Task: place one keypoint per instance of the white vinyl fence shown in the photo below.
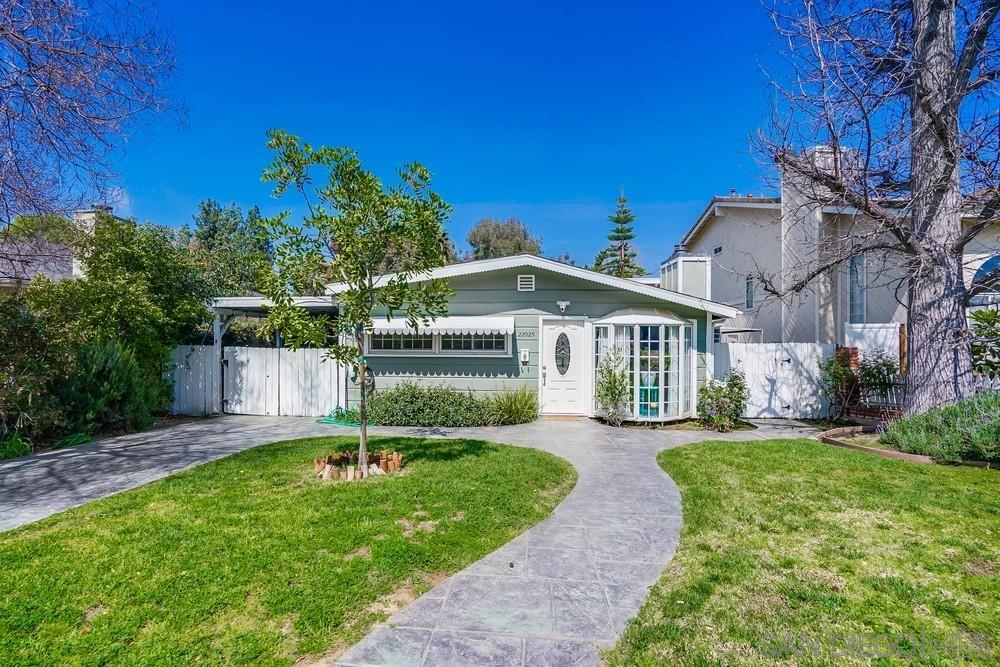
(258, 381)
(783, 378)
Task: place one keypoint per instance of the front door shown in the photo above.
(563, 362)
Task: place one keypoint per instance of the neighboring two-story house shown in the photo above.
(739, 237)
(23, 258)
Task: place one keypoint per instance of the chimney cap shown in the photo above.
(733, 193)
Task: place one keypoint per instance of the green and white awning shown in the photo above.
(491, 324)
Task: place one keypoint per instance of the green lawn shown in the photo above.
(252, 560)
(793, 551)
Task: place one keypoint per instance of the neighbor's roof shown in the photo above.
(531, 261)
(774, 203)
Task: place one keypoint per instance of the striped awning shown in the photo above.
(486, 324)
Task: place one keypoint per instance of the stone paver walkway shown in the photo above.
(555, 595)
(566, 587)
(33, 487)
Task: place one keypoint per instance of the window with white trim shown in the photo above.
(717, 250)
(748, 301)
(858, 281)
(391, 342)
(445, 344)
(473, 342)
(526, 283)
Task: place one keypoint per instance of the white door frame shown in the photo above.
(587, 381)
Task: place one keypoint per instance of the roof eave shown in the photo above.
(515, 261)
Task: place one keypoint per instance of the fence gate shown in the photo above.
(270, 381)
(783, 378)
(257, 381)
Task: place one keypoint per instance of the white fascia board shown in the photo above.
(518, 261)
(260, 302)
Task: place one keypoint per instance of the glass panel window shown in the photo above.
(562, 354)
(469, 342)
(650, 345)
(749, 292)
(688, 358)
(672, 365)
(386, 342)
(624, 338)
(858, 280)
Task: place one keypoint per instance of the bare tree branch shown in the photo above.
(76, 76)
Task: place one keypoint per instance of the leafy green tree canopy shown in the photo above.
(619, 258)
(230, 249)
(139, 287)
(352, 225)
(491, 238)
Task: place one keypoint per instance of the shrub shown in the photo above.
(518, 406)
(33, 361)
(721, 404)
(838, 383)
(108, 387)
(412, 405)
(878, 373)
(14, 444)
(967, 430)
(613, 388)
(986, 341)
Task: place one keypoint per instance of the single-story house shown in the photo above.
(525, 321)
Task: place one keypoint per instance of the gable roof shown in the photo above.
(736, 202)
(532, 261)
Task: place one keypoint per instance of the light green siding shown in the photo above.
(496, 293)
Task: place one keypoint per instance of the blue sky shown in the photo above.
(539, 110)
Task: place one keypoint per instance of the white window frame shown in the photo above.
(857, 287)
(686, 372)
(436, 350)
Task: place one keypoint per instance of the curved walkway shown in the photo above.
(566, 587)
(554, 595)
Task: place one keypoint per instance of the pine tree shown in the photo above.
(619, 258)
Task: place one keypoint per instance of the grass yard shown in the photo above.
(253, 560)
(795, 552)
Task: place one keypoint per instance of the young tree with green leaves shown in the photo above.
(352, 221)
(619, 258)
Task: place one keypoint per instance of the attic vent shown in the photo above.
(526, 283)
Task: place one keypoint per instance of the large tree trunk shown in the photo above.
(940, 359)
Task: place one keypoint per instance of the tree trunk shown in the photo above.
(939, 367)
(940, 359)
(363, 407)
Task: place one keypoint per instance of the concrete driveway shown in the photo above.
(553, 596)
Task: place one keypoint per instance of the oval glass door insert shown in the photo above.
(562, 353)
